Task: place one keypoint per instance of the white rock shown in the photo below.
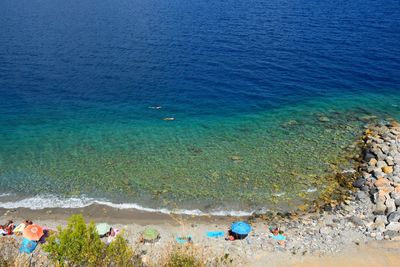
(393, 226)
(378, 172)
(389, 161)
(381, 219)
(380, 164)
(390, 204)
(394, 216)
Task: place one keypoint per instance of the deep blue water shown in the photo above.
(77, 79)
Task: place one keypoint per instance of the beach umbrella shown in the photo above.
(150, 234)
(241, 228)
(103, 228)
(33, 232)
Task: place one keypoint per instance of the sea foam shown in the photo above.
(43, 202)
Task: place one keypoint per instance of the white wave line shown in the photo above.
(42, 202)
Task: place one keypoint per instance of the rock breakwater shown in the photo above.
(380, 179)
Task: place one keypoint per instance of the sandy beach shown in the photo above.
(259, 251)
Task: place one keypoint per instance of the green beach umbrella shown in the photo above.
(150, 234)
(102, 228)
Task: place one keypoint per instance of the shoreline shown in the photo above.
(366, 221)
(99, 212)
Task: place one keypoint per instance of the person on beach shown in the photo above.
(278, 235)
(111, 235)
(20, 228)
(8, 228)
(231, 236)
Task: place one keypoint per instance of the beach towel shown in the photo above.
(215, 234)
(183, 240)
(27, 246)
(278, 237)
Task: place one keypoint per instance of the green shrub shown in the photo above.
(183, 258)
(79, 244)
(119, 253)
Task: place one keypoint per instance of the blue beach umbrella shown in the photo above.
(241, 228)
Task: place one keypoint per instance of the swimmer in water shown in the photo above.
(155, 107)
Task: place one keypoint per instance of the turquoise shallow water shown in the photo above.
(248, 83)
(233, 162)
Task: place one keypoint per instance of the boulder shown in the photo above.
(379, 236)
(379, 197)
(356, 221)
(380, 155)
(373, 191)
(389, 161)
(390, 205)
(385, 148)
(365, 188)
(387, 169)
(396, 169)
(394, 179)
(369, 155)
(394, 217)
(378, 172)
(381, 182)
(380, 208)
(386, 190)
(361, 195)
(396, 159)
(391, 233)
(394, 124)
(381, 219)
(325, 230)
(372, 162)
(359, 183)
(380, 164)
(395, 195)
(379, 226)
(393, 226)
(366, 175)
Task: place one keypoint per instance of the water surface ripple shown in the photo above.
(265, 95)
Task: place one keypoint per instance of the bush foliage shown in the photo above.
(183, 257)
(79, 244)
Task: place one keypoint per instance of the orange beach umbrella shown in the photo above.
(33, 232)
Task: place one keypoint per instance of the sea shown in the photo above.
(199, 107)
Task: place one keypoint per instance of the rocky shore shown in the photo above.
(370, 213)
(380, 181)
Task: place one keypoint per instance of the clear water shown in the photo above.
(246, 81)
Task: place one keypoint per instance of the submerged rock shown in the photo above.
(236, 158)
(324, 119)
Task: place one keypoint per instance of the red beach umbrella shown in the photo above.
(33, 232)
